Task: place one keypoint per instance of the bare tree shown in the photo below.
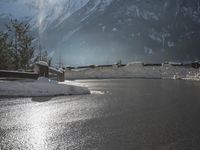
(4, 51)
(21, 43)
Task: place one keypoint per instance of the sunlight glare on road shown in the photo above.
(38, 126)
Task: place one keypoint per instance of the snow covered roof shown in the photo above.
(56, 70)
(43, 63)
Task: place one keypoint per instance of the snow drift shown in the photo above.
(40, 87)
(135, 70)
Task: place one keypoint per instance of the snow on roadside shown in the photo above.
(74, 83)
(136, 70)
(40, 87)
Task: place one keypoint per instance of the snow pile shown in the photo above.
(92, 73)
(178, 72)
(137, 69)
(41, 87)
(131, 70)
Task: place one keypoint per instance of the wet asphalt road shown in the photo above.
(125, 114)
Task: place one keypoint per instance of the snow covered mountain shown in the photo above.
(41, 13)
(113, 29)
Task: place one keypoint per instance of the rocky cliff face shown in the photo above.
(123, 29)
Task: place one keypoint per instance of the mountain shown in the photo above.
(104, 31)
(40, 13)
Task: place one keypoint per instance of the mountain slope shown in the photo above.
(144, 30)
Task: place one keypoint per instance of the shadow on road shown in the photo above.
(41, 99)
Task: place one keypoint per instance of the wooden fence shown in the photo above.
(58, 74)
(5, 74)
(39, 70)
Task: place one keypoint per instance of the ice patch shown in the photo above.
(98, 92)
(74, 83)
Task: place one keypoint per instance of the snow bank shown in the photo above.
(178, 72)
(136, 70)
(131, 70)
(41, 87)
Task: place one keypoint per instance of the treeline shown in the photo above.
(16, 46)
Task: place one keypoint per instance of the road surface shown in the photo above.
(124, 114)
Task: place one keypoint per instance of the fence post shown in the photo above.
(61, 76)
(42, 69)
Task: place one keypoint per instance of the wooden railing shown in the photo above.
(47, 71)
(40, 70)
(5, 74)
